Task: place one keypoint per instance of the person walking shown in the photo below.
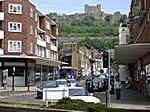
(117, 87)
(127, 83)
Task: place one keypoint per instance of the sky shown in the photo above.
(77, 6)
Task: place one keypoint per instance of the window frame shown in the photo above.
(14, 8)
(31, 12)
(31, 30)
(31, 47)
(14, 25)
(47, 23)
(14, 44)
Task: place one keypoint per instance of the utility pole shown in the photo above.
(92, 74)
(13, 74)
(106, 64)
(109, 76)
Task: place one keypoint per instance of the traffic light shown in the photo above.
(92, 61)
(105, 59)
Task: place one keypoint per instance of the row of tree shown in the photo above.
(100, 44)
(87, 28)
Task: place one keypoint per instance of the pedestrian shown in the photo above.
(127, 83)
(130, 82)
(117, 87)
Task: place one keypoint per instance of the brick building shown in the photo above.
(28, 44)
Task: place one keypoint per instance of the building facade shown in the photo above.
(136, 54)
(93, 11)
(89, 11)
(79, 58)
(28, 44)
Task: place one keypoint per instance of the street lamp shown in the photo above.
(92, 61)
(61, 59)
(28, 80)
(13, 73)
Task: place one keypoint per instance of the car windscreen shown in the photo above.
(77, 92)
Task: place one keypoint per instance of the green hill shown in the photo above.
(87, 28)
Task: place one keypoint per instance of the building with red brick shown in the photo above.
(28, 44)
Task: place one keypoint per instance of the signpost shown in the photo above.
(13, 73)
(106, 64)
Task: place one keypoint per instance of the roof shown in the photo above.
(39, 60)
(128, 54)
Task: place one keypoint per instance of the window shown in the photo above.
(40, 51)
(47, 25)
(48, 53)
(15, 8)
(36, 17)
(30, 47)
(31, 30)
(15, 27)
(52, 54)
(31, 12)
(14, 46)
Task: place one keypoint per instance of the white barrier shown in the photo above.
(53, 94)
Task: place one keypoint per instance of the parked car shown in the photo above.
(55, 94)
(45, 84)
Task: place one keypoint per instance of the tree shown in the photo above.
(107, 18)
(100, 44)
(123, 18)
(90, 28)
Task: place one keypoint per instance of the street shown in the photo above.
(20, 97)
(128, 98)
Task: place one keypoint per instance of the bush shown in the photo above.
(69, 104)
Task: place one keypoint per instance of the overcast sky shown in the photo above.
(77, 6)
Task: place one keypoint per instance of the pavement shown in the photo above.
(130, 98)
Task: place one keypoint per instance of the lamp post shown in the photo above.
(61, 64)
(13, 73)
(91, 61)
(28, 81)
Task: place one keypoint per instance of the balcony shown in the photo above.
(1, 16)
(1, 34)
(53, 47)
(1, 51)
(41, 43)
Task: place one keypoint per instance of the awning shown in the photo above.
(127, 54)
(39, 60)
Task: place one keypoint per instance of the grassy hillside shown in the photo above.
(87, 28)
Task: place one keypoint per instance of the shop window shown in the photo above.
(18, 72)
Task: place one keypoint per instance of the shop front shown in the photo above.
(22, 70)
(136, 57)
(26, 71)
